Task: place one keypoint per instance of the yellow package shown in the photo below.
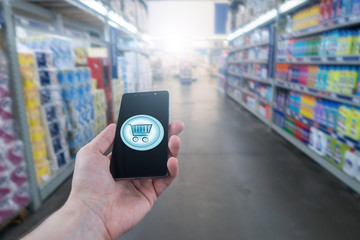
(36, 133)
(343, 119)
(354, 125)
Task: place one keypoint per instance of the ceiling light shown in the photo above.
(291, 5)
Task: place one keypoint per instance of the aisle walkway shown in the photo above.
(239, 181)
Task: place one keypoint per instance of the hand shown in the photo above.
(114, 207)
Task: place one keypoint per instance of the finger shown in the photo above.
(174, 146)
(160, 184)
(176, 128)
(104, 140)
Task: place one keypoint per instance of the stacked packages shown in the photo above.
(27, 64)
(14, 188)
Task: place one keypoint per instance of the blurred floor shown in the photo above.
(237, 180)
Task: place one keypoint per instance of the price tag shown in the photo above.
(341, 20)
(350, 144)
(333, 135)
(356, 100)
(353, 18)
(333, 95)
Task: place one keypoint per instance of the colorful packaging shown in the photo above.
(354, 125)
(329, 148)
(339, 154)
(343, 119)
(351, 162)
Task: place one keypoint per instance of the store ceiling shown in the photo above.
(70, 11)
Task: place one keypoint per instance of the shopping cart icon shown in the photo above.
(140, 130)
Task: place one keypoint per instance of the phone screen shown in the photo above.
(140, 147)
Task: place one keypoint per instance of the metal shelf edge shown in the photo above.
(57, 179)
(331, 26)
(258, 79)
(351, 182)
(250, 46)
(264, 120)
(281, 85)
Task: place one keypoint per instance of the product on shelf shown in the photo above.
(144, 73)
(339, 79)
(351, 162)
(100, 71)
(321, 119)
(255, 70)
(252, 54)
(66, 100)
(99, 103)
(127, 71)
(52, 111)
(117, 92)
(258, 36)
(342, 42)
(38, 141)
(14, 187)
(323, 12)
(79, 110)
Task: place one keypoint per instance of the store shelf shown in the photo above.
(57, 179)
(337, 23)
(349, 181)
(259, 98)
(129, 49)
(255, 78)
(249, 61)
(329, 131)
(333, 60)
(260, 44)
(264, 120)
(348, 99)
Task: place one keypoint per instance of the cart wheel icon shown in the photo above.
(142, 132)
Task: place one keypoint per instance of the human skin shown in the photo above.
(99, 207)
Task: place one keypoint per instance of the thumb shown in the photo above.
(104, 140)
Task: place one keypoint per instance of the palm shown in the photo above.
(121, 204)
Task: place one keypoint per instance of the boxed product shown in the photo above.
(14, 189)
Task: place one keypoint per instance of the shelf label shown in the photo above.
(356, 100)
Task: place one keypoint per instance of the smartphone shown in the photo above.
(140, 148)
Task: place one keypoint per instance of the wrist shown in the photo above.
(83, 221)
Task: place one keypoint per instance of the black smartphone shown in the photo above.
(140, 148)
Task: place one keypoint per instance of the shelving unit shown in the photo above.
(255, 78)
(347, 99)
(244, 78)
(340, 22)
(278, 85)
(264, 120)
(69, 19)
(260, 44)
(337, 60)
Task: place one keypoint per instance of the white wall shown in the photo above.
(181, 18)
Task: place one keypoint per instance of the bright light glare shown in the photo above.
(267, 17)
(121, 22)
(176, 44)
(96, 6)
(290, 5)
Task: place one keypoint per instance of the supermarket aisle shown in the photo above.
(239, 181)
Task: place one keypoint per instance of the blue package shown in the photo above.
(54, 129)
(51, 113)
(61, 159)
(44, 59)
(56, 142)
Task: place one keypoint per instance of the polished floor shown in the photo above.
(237, 180)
